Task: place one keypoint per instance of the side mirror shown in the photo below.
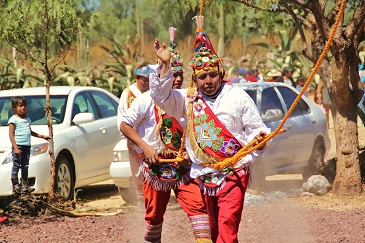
(83, 117)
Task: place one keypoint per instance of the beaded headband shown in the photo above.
(143, 71)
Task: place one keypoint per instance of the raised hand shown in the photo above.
(162, 52)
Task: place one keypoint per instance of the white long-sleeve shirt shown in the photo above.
(141, 116)
(123, 102)
(233, 107)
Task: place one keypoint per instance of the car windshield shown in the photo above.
(35, 109)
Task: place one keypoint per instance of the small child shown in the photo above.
(19, 133)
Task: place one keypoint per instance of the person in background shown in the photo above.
(242, 76)
(300, 84)
(322, 98)
(20, 134)
(222, 118)
(252, 75)
(135, 90)
(158, 136)
(286, 76)
(273, 75)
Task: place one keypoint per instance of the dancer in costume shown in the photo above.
(128, 95)
(157, 136)
(221, 120)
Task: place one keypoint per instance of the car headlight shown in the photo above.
(120, 156)
(38, 149)
(8, 159)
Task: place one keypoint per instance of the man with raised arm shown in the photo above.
(221, 120)
(159, 136)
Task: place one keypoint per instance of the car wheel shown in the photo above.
(128, 195)
(316, 160)
(65, 181)
(258, 177)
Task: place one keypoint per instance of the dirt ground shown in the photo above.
(283, 218)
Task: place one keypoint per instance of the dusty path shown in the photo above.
(303, 219)
(286, 220)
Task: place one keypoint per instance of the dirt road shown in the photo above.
(276, 218)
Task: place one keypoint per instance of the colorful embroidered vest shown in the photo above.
(210, 134)
(170, 131)
(212, 138)
(167, 176)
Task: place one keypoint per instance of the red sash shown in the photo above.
(170, 131)
(130, 98)
(211, 135)
(167, 176)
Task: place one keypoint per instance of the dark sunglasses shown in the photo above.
(178, 74)
(204, 75)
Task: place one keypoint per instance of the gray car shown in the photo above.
(304, 145)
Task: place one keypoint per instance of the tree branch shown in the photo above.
(331, 17)
(298, 22)
(253, 5)
(357, 21)
(318, 13)
(360, 35)
(68, 48)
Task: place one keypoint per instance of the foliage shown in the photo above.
(126, 56)
(287, 54)
(12, 77)
(24, 29)
(113, 17)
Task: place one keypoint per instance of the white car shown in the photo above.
(120, 172)
(84, 133)
(304, 145)
(301, 149)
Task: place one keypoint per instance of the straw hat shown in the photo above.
(274, 73)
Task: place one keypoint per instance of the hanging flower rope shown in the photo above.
(250, 147)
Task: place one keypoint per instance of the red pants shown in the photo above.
(225, 208)
(188, 196)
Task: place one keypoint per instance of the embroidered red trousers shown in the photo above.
(225, 208)
(188, 196)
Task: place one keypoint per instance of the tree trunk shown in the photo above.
(51, 191)
(15, 57)
(348, 178)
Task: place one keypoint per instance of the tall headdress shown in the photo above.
(176, 58)
(205, 56)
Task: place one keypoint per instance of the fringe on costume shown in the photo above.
(201, 229)
(212, 191)
(153, 233)
(164, 185)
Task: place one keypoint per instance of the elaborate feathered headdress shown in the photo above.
(204, 56)
(176, 58)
